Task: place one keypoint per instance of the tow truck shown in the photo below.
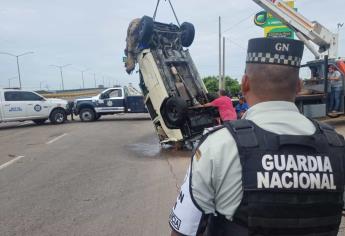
(314, 101)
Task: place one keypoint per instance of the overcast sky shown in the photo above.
(91, 35)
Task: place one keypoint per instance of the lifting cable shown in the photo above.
(172, 8)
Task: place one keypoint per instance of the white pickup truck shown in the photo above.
(21, 105)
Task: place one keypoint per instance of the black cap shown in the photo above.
(278, 51)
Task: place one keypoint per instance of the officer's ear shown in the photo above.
(245, 87)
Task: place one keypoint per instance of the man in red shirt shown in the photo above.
(224, 104)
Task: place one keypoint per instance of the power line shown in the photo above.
(235, 43)
(239, 22)
(238, 45)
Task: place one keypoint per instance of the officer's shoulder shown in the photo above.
(229, 125)
(211, 130)
(216, 136)
(214, 144)
(333, 137)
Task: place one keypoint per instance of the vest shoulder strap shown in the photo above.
(243, 132)
(333, 138)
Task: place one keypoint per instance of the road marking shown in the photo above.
(56, 139)
(10, 162)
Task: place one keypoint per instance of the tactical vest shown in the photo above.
(292, 185)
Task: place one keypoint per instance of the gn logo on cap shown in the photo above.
(282, 47)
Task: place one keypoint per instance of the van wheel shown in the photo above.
(87, 115)
(39, 122)
(187, 34)
(145, 30)
(175, 110)
(58, 116)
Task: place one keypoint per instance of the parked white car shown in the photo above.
(21, 105)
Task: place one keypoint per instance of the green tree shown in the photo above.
(231, 85)
(211, 83)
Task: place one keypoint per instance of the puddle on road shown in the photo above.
(151, 148)
(145, 149)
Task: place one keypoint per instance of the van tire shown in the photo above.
(175, 110)
(145, 30)
(187, 34)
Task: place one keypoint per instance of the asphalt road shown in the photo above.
(103, 178)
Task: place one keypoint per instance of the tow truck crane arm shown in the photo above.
(307, 31)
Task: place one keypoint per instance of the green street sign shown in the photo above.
(280, 32)
(272, 26)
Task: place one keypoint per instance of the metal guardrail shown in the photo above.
(69, 95)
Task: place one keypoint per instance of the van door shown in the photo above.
(13, 106)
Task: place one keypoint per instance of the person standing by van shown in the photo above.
(225, 107)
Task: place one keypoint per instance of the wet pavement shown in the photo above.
(103, 178)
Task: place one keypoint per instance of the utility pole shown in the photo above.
(82, 76)
(94, 78)
(220, 54)
(17, 56)
(60, 67)
(223, 75)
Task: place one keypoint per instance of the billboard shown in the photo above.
(272, 26)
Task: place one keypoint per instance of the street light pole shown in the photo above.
(17, 57)
(60, 67)
(82, 76)
(41, 82)
(9, 80)
(62, 84)
(94, 78)
(220, 54)
(20, 81)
